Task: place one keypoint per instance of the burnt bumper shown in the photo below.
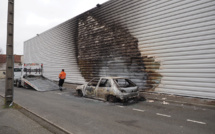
(129, 96)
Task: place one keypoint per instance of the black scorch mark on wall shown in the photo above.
(104, 50)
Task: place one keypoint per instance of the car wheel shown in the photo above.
(79, 92)
(125, 102)
(111, 98)
(136, 99)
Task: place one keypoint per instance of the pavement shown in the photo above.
(12, 121)
(61, 112)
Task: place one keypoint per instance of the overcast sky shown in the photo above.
(36, 16)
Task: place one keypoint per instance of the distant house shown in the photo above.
(3, 59)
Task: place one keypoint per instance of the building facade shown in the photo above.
(163, 46)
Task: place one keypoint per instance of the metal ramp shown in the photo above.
(41, 84)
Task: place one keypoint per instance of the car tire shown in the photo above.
(111, 98)
(79, 93)
(136, 99)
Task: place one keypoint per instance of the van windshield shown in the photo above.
(17, 69)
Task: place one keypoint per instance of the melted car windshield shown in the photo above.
(124, 83)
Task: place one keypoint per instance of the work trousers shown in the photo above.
(61, 81)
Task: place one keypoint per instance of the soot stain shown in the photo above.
(110, 50)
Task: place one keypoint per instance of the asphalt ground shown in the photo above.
(80, 115)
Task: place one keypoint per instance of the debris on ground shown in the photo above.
(150, 101)
(165, 103)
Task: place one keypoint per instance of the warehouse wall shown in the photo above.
(55, 48)
(163, 46)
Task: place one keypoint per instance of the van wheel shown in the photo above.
(111, 98)
(79, 92)
(25, 85)
(17, 84)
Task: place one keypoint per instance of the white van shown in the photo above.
(17, 76)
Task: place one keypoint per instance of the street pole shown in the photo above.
(10, 58)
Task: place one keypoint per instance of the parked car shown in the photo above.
(109, 89)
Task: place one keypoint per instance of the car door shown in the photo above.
(90, 88)
(103, 89)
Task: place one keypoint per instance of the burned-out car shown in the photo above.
(109, 89)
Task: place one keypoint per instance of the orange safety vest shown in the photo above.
(62, 75)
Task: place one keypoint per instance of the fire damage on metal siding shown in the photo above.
(110, 50)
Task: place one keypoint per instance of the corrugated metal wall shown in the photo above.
(164, 46)
(56, 50)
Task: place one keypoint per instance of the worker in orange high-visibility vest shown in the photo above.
(62, 77)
